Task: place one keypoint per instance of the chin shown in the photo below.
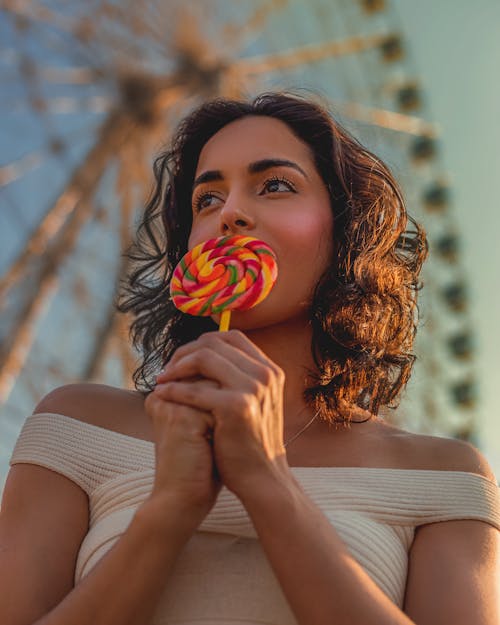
(259, 318)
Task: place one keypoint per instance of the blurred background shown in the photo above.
(91, 91)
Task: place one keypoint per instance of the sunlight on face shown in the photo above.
(255, 177)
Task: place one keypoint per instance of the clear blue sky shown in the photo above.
(456, 47)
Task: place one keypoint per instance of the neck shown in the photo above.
(288, 345)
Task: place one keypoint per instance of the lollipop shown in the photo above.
(224, 274)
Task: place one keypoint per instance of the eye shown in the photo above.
(272, 184)
(200, 201)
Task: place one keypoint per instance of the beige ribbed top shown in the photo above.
(222, 575)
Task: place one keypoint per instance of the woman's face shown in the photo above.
(238, 189)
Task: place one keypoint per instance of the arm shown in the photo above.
(454, 574)
(328, 587)
(454, 566)
(322, 582)
(43, 520)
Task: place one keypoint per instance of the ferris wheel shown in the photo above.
(92, 90)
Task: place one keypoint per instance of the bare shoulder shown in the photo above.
(458, 455)
(113, 408)
(463, 550)
(442, 454)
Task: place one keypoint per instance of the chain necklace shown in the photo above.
(300, 431)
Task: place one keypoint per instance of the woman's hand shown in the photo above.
(185, 474)
(247, 403)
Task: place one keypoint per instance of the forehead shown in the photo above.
(250, 139)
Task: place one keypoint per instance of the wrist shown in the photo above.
(270, 484)
(164, 514)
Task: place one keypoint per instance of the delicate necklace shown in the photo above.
(300, 431)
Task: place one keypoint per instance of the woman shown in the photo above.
(255, 483)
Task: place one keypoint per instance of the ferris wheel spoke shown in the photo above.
(160, 21)
(110, 334)
(57, 42)
(126, 178)
(15, 169)
(131, 171)
(111, 337)
(81, 30)
(81, 186)
(239, 36)
(23, 165)
(139, 32)
(67, 75)
(112, 331)
(62, 105)
(101, 347)
(38, 12)
(125, 50)
(134, 21)
(303, 55)
(34, 385)
(384, 118)
(22, 335)
(85, 104)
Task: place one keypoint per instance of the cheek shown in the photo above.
(309, 241)
(199, 234)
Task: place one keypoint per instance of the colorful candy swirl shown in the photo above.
(222, 274)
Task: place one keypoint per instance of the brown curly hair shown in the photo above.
(364, 309)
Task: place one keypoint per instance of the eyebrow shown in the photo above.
(253, 168)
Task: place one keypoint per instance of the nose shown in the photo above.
(234, 217)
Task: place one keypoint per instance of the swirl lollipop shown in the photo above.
(224, 274)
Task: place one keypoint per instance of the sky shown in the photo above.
(456, 48)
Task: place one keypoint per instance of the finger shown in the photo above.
(235, 338)
(194, 394)
(259, 369)
(219, 349)
(212, 365)
(162, 411)
(220, 403)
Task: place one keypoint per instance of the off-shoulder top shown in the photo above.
(222, 575)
